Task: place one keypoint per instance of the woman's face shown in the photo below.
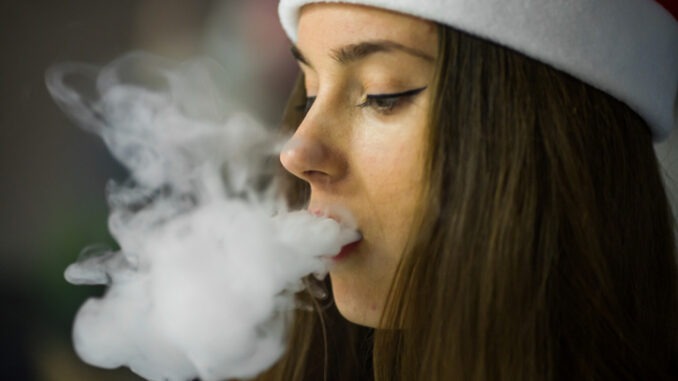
(362, 144)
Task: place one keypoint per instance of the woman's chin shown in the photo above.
(354, 303)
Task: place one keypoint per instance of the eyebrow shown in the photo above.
(355, 52)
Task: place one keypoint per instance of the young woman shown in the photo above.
(497, 158)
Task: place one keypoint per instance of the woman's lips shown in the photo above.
(347, 250)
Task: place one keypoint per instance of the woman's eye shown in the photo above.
(306, 106)
(386, 103)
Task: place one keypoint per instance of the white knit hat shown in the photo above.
(627, 48)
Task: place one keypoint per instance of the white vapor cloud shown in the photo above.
(210, 257)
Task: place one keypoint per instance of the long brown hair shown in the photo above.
(546, 248)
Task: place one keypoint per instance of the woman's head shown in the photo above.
(377, 69)
(532, 250)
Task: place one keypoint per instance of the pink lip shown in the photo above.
(323, 213)
(347, 250)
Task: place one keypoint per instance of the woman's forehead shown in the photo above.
(334, 26)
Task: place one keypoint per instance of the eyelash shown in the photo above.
(382, 103)
(386, 103)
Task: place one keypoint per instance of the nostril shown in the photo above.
(317, 177)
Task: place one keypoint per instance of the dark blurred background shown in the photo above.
(53, 174)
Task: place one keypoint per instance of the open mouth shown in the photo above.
(347, 250)
(344, 218)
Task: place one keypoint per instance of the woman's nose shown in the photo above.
(312, 159)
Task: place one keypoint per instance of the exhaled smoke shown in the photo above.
(210, 258)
